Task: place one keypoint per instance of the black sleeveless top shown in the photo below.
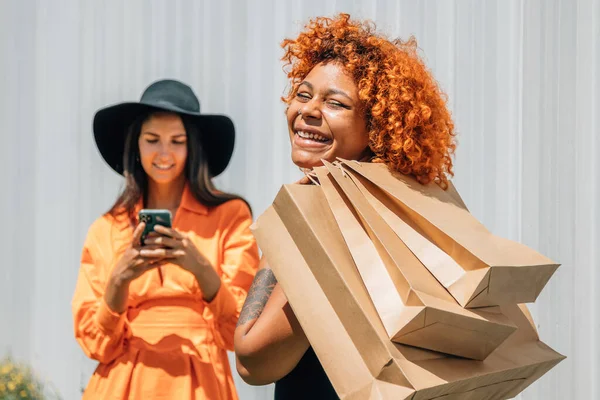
(307, 381)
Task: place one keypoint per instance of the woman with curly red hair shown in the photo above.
(356, 95)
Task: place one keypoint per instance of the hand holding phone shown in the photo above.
(152, 218)
(130, 266)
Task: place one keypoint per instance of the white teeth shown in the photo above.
(162, 166)
(312, 136)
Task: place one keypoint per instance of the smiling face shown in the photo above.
(325, 118)
(163, 148)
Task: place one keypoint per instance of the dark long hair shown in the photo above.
(196, 172)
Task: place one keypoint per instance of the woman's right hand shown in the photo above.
(131, 266)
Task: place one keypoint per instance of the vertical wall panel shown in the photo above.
(523, 80)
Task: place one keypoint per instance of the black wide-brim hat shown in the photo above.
(217, 133)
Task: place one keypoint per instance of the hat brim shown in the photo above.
(217, 133)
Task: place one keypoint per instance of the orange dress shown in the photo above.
(170, 343)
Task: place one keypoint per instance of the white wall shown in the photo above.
(523, 78)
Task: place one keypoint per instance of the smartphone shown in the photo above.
(153, 218)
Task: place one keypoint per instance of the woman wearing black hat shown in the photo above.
(159, 316)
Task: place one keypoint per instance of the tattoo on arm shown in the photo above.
(258, 295)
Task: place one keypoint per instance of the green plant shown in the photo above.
(18, 382)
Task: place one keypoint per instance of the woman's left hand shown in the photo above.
(180, 250)
(177, 248)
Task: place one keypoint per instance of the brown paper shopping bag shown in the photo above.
(342, 325)
(414, 308)
(345, 339)
(478, 268)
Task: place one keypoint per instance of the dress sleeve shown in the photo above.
(240, 263)
(100, 332)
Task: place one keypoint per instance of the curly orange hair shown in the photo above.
(410, 127)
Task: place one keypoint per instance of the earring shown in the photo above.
(299, 112)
